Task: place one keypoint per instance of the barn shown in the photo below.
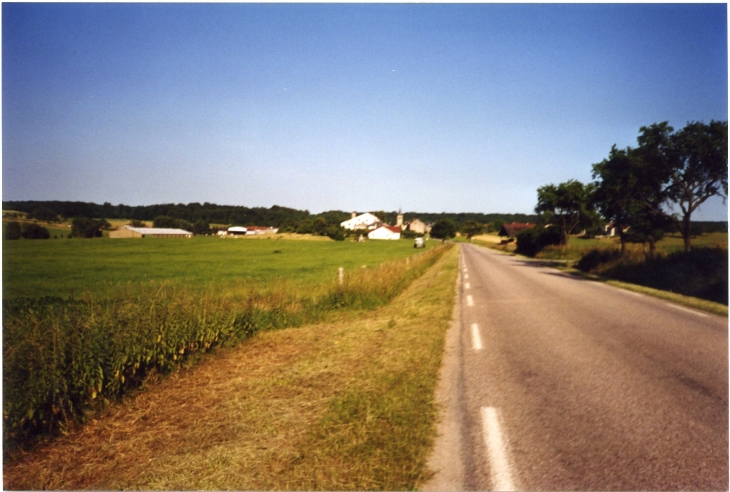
(149, 232)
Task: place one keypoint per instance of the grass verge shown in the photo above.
(342, 405)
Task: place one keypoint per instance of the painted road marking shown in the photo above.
(686, 310)
(476, 339)
(619, 289)
(466, 276)
(469, 301)
(496, 450)
(467, 285)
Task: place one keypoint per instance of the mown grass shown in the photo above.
(55, 267)
(341, 405)
(64, 359)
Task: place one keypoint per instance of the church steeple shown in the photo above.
(399, 219)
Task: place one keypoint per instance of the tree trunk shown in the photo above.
(622, 236)
(686, 227)
(652, 246)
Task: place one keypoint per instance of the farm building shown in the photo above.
(385, 232)
(418, 227)
(149, 232)
(258, 230)
(248, 231)
(511, 230)
(363, 221)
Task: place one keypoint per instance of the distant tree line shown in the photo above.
(286, 219)
(643, 192)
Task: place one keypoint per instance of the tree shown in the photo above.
(13, 230)
(495, 225)
(472, 228)
(443, 229)
(628, 195)
(566, 205)
(685, 168)
(86, 228)
(200, 227)
(35, 231)
(44, 214)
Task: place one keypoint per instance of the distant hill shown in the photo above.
(276, 216)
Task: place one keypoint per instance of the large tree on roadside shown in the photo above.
(684, 168)
(626, 194)
(566, 205)
(472, 228)
(443, 229)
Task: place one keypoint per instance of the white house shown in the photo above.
(385, 232)
(364, 221)
(236, 231)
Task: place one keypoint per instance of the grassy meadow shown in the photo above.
(34, 268)
(346, 404)
(86, 321)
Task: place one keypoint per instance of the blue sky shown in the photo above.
(424, 107)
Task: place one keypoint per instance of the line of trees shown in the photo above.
(645, 190)
(286, 219)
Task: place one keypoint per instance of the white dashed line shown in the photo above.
(467, 285)
(476, 339)
(469, 301)
(496, 451)
(686, 310)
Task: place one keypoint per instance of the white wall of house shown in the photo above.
(384, 233)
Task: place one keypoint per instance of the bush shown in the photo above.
(86, 228)
(531, 241)
(443, 229)
(702, 272)
(34, 231)
(13, 230)
(595, 258)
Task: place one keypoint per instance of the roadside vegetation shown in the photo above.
(67, 354)
(345, 404)
(646, 196)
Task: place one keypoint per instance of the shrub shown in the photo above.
(86, 228)
(597, 257)
(701, 272)
(13, 230)
(531, 241)
(34, 231)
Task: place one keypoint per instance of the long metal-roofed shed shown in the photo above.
(149, 232)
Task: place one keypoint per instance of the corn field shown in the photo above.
(63, 360)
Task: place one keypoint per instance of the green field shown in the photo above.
(54, 267)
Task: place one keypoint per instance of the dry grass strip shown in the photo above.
(341, 405)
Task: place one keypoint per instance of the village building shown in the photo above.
(418, 227)
(385, 232)
(259, 230)
(511, 230)
(236, 231)
(139, 232)
(363, 221)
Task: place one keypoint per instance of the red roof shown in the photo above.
(511, 230)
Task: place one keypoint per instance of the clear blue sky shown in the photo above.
(428, 107)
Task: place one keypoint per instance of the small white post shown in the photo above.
(341, 274)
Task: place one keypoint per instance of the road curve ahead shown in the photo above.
(570, 384)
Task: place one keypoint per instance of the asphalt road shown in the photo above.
(570, 384)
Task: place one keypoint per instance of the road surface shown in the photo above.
(560, 383)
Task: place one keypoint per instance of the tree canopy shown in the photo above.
(567, 205)
(665, 179)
